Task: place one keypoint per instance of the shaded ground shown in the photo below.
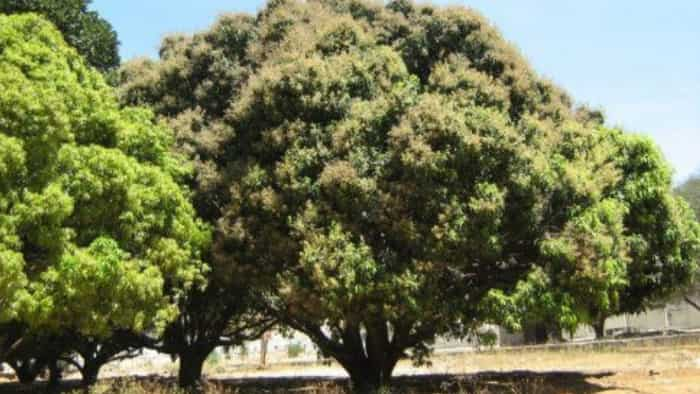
(515, 382)
(486, 382)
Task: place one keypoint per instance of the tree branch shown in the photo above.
(692, 303)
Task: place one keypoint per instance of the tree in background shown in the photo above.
(85, 30)
(217, 316)
(690, 191)
(191, 89)
(623, 264)
(384, 175)
(40, 351)
(97, 235)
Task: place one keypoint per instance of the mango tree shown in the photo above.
(85, 30)
(384, 173)
(97, 233)
(190, 88)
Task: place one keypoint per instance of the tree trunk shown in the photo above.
(27, 371)
(367, 380)
(367, 352)
(365, 383)
(371, 372)
(599, 328)
(190, 371)
(536, 334)
(90, 372)
(55, 375)
(26, 377)
(264, 341)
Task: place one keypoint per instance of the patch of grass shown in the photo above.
(150, 386)
(455, 386)
(295, 349)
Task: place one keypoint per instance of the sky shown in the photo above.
(638, 60)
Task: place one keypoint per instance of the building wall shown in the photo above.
(677, 315)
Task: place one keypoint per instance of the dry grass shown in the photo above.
(149, 386)
(645, 358)
(134, 386)
(585, 360)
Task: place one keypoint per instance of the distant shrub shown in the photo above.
(295, 349)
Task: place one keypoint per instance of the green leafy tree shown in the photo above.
(96, 233)
(216, 317)
(535, 307)
(690, 191)
(383, 174)
(191, 88)
(622, 255)
(85, 30)
(88, 354)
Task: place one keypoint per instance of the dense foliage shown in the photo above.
(635, 248)
(690, 191)
(375, 174)
(85, 30)
(385, 174)
(96, 233)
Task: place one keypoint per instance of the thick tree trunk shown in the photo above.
(26, 377)
(373, 360)
(365, 383)
(599, 328)
(368, 351)
(27, 371)
(191, 366)
(367, 380)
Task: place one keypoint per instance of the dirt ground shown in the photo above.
(667, 381)
(655, 369)
(662, 369)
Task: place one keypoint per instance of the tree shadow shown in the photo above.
(521, 382)
(488, 382)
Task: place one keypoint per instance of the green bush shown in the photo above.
(295, 349)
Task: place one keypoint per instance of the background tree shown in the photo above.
(381, 173)
(690, 191)
(191, 89)
(216, 317)
(32, 357)
(536, 307)
(624, 258)
(88, 354)
(85, 30)
(96, 234)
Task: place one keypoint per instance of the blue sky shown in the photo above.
(639, 60)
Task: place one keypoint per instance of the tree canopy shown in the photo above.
(96, 231)
(690, 191)
(85, 30)
(386, 174)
